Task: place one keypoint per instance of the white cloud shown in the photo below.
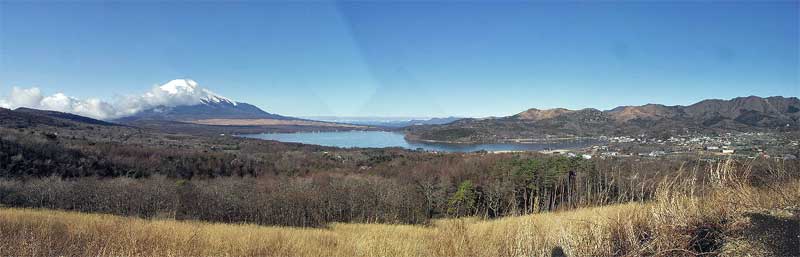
(174, 93)
(21, 97)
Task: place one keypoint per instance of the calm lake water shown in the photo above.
(380, 139)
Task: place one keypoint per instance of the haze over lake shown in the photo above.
(380, 139)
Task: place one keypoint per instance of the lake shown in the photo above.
(380, 139)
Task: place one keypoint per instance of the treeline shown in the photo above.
(514, 186)
(295, 201)
(49, 154)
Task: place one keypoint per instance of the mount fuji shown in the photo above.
(183, 100)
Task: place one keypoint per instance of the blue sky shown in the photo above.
(408, 58)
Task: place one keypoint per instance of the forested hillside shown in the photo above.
(741, 114)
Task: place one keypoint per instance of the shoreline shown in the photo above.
(505, 141)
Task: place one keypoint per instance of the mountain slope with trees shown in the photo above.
(709, 116)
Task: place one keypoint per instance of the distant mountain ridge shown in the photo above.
(27, 117)
(64, 116)
(386, 122)
(751, 113)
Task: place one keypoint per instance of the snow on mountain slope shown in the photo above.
(184, 100)
(188, 88)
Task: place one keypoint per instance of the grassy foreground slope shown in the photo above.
(734, 218)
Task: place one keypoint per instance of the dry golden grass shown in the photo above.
(679, 223)
(46, 232)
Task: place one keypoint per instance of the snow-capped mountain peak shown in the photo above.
(186, 100)
(177, 86)
(189, 89)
